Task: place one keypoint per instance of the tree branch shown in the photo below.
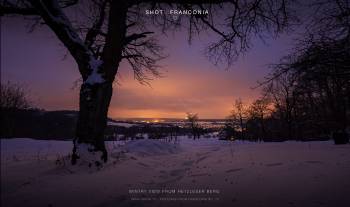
(135, 36)
(96, 28)
(8, 8)
(54, 17)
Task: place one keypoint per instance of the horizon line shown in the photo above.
(165, 118)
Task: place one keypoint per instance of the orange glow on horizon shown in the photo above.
(209, 93)
(189, 83)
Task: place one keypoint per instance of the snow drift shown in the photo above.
(150, 147)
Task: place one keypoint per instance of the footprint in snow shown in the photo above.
(143, 164)
(178, 172)
(274, 164)
(199, 175)
(234, 170)
(314, 162)
(201, 159)
(188, 163)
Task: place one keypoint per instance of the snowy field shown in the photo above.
(204, 172)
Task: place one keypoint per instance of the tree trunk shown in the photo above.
(95, 98)
(242, 126)
(92, 120)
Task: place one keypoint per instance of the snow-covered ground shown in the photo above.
(206, 172)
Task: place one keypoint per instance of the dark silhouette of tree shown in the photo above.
(258, 111)
(109, 32)
(330, 19)
(13, 100)
(192, 120)
(311, 85)
(281, 92)
(13, 97)
(238, 117)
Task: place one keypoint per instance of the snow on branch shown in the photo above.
(136, 36)
(95, 77)
(55, 18)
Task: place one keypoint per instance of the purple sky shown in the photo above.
(191, 82)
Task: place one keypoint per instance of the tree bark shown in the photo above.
(92, 119)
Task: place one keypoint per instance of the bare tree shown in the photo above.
(282, 92)
(192, 120)
(259, 110)
(238, 116)
(14, 99)
(113, 31)
(13, 96)
(330, 19)
(311, 85)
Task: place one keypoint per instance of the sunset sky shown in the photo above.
(190, 84)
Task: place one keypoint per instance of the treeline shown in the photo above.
(38, 124)
(20, 117)
(307, 96)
